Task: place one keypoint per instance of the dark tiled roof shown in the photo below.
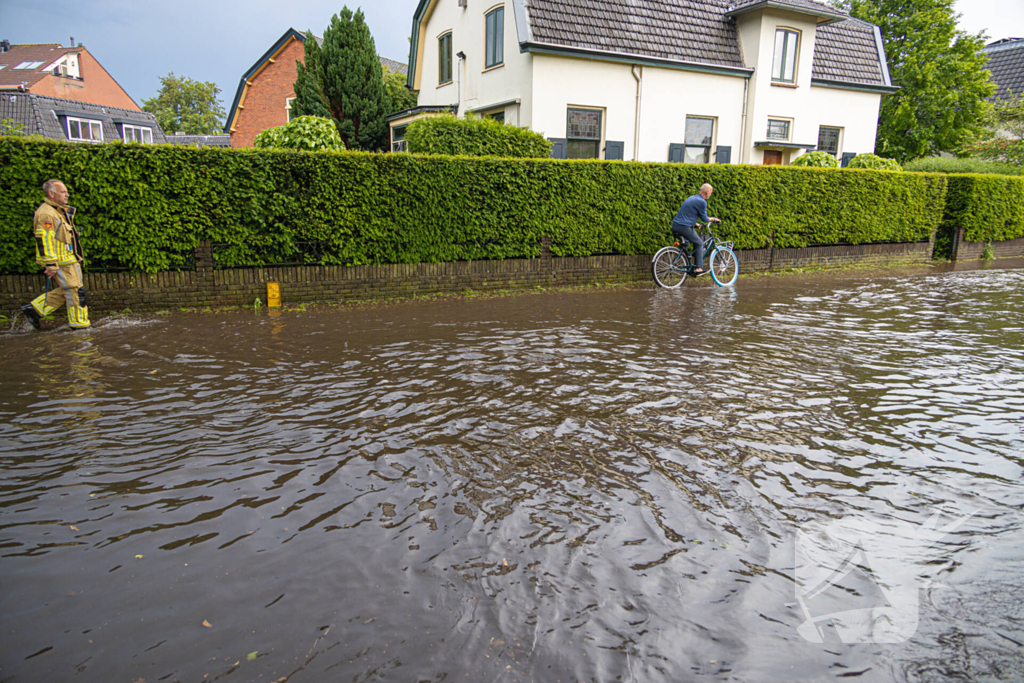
(678, 30)
(1006, 63)
(394, 66)
(38, 115)
(819, 9)
(199, 140)
(698, 31)
(847, 51)
(47, 54)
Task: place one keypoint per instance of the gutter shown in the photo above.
(850, 85)
(639, 96)
(629, 58)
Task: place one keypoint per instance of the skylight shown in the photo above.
(28, 65)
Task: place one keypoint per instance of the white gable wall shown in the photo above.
(473, 86)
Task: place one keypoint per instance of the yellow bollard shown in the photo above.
(273, 295)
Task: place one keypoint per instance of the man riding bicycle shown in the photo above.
(694, 209)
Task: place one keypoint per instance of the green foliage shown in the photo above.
(306, 133)
(816, 160)
(990, 208)
(874, 162)
(399, 97)
(148, 206)
(187, 106)
(310, 99)
(941, 104)
(12, 128)
(999, 150)
(959, 165)
(474, 136)
(344, 77)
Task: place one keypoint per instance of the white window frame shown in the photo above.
(28, 66)
(709, 147)
(90, 123)
(288, 107)
(140, 134)
(789, 57)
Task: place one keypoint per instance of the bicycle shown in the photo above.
(671, 265)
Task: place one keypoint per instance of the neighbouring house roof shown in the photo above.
(46, 116)
(1006, 64)
(698, 35)
(11, 77)
(198, 140)
(269, 54)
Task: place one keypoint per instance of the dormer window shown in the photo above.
(787, 44)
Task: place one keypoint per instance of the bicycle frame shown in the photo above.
(710, 243)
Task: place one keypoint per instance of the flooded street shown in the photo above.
(600, 485)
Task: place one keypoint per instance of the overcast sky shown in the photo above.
(218, 40)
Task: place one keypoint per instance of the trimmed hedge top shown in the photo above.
(147, 207)
(988, 207)
(474, 136)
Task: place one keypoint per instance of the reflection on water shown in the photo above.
(560, 487)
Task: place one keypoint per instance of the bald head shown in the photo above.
(56, 192)
(706, 190)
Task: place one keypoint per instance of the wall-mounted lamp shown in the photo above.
(460, 54)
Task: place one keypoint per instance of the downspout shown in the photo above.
(743, 121)
(639, 96)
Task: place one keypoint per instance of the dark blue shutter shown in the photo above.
(723, 155)
(847, 157)
(557, 147)
(675, 153)
(613, 150)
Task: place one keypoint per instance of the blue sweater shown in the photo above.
(694, 209)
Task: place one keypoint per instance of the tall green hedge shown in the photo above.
(990, 208)
(474, 136)
(148, 206)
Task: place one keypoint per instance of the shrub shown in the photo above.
(474, 136)
(999, 149)
(816, 160)
(874, 162)
(148, 206)
(305, 133)
(955, 165)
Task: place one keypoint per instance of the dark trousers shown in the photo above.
(690, 235)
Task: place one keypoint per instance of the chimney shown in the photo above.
(72, 41)
(5, 45)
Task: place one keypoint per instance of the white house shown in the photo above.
(696, 81)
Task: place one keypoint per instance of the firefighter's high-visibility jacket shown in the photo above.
(57, 242)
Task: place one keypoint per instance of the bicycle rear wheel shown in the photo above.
(724, 266)
(670, 267)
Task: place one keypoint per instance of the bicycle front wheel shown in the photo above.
(724, 267)
(670, 267)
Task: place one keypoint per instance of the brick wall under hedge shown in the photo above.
(241, 286)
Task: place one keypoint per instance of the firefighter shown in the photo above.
(59, 252)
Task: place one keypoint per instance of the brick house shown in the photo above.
(63, 93)
(65, 73)
(264, 95)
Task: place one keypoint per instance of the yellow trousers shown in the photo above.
(69, 289)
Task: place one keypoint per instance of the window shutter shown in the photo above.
(675, 153)
(723, 155)
(557, 147)
(847, 157)
(613, 150)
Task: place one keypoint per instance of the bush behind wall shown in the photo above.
(149, 206)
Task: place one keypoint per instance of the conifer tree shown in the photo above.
(309, 96)
(344, 76)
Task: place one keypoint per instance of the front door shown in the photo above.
(772, 157)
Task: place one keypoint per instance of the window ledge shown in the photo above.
(492, 68)
(779, 84)
(441, 85)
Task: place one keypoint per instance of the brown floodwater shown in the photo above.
(600, 485)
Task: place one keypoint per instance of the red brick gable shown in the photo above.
(96, 85)
(264, 98)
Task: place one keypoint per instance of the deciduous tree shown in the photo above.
(186, 106)
(399, 97)
(941, 104)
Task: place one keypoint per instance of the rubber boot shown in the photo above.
(31, 314)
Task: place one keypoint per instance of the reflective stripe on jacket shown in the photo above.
(56, 237)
